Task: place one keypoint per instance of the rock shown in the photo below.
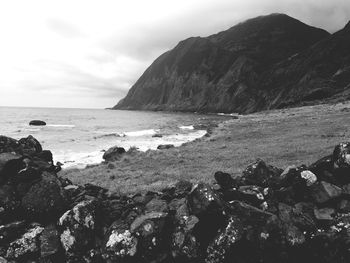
(224, 180)
(165, 146)
(341, 159)
(50, 242)
(324, 215)
(30, 145)
(204, 200)
(260, 174)
(157, 135)
(309, 177)
(341, 155)
(219, 249)
(37, 123)
(11, 231)
(121, 243)
(9, 145)
(156, 205)
(151, 229)
(10, 165)
(182, 188)
(45, 199)
(344, 206)
(323, 192)
(3, 260)
(8, 198)
(251, 194)
(27, 244)
(113, 153)
(323, 169)
(79, 225)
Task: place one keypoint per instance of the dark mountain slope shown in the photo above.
(322, 72)
(223, 72)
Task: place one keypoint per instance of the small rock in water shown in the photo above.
(37, 123)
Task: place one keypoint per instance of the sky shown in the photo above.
(88, 53)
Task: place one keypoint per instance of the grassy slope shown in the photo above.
(280, 137)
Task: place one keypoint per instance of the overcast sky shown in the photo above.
(88, 54)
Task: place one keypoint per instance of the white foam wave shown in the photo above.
(61, 125)
(189, 127)
(141, 133)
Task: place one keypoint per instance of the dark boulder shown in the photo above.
(8, 199)
(45, 199)
(120, 243)
(219, 249)
(37, 123)
(260, 174)
(8, 144)
(50, 244)
(165, 146)
(341, 159)
(224, 180)
(113, 153)
(11, 231)
(10, 165)
(323, 192)
(26, 245)
(151, 230)
(30, 145)
(79, 228)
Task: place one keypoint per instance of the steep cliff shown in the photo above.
(265, 62)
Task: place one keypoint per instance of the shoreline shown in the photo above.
(281, 137)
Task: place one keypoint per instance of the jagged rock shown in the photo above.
(323, 192)
(8, 144)
(224, 180)
(344, 206)
(11, 231)
(10, 165)
(260, 174)
(182, 188)
(341, 159)
(219, 249)
(165, 146)
(8, 198)
(323, 169)
(113, 153)
(79, 225)
(30, 145)
(50, 242)
(45, 198)
(37, 123)
(251, 194)
(27, 244)
(151, 230)
(121, 243)
(309, 177)
(324, 215)
(156, 205)
(204, 200)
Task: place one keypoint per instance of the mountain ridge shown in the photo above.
(265, 62)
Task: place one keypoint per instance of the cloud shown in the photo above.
(88, 53)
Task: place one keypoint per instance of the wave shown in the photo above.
(61, 125)
(110, 135)
(141, 133)
(189, 127)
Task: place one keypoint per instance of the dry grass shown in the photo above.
(280, 137)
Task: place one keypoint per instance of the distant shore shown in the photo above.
(280, 137)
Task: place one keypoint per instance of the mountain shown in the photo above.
(266, 62)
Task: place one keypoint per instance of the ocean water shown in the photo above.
(78, 137)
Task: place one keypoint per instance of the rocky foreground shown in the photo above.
(300, 214)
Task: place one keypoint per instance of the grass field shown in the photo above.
(280, 137)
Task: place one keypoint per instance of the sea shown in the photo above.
(79, 137)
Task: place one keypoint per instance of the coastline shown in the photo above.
(280, 137)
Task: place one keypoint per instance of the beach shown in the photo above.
(284, 137)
